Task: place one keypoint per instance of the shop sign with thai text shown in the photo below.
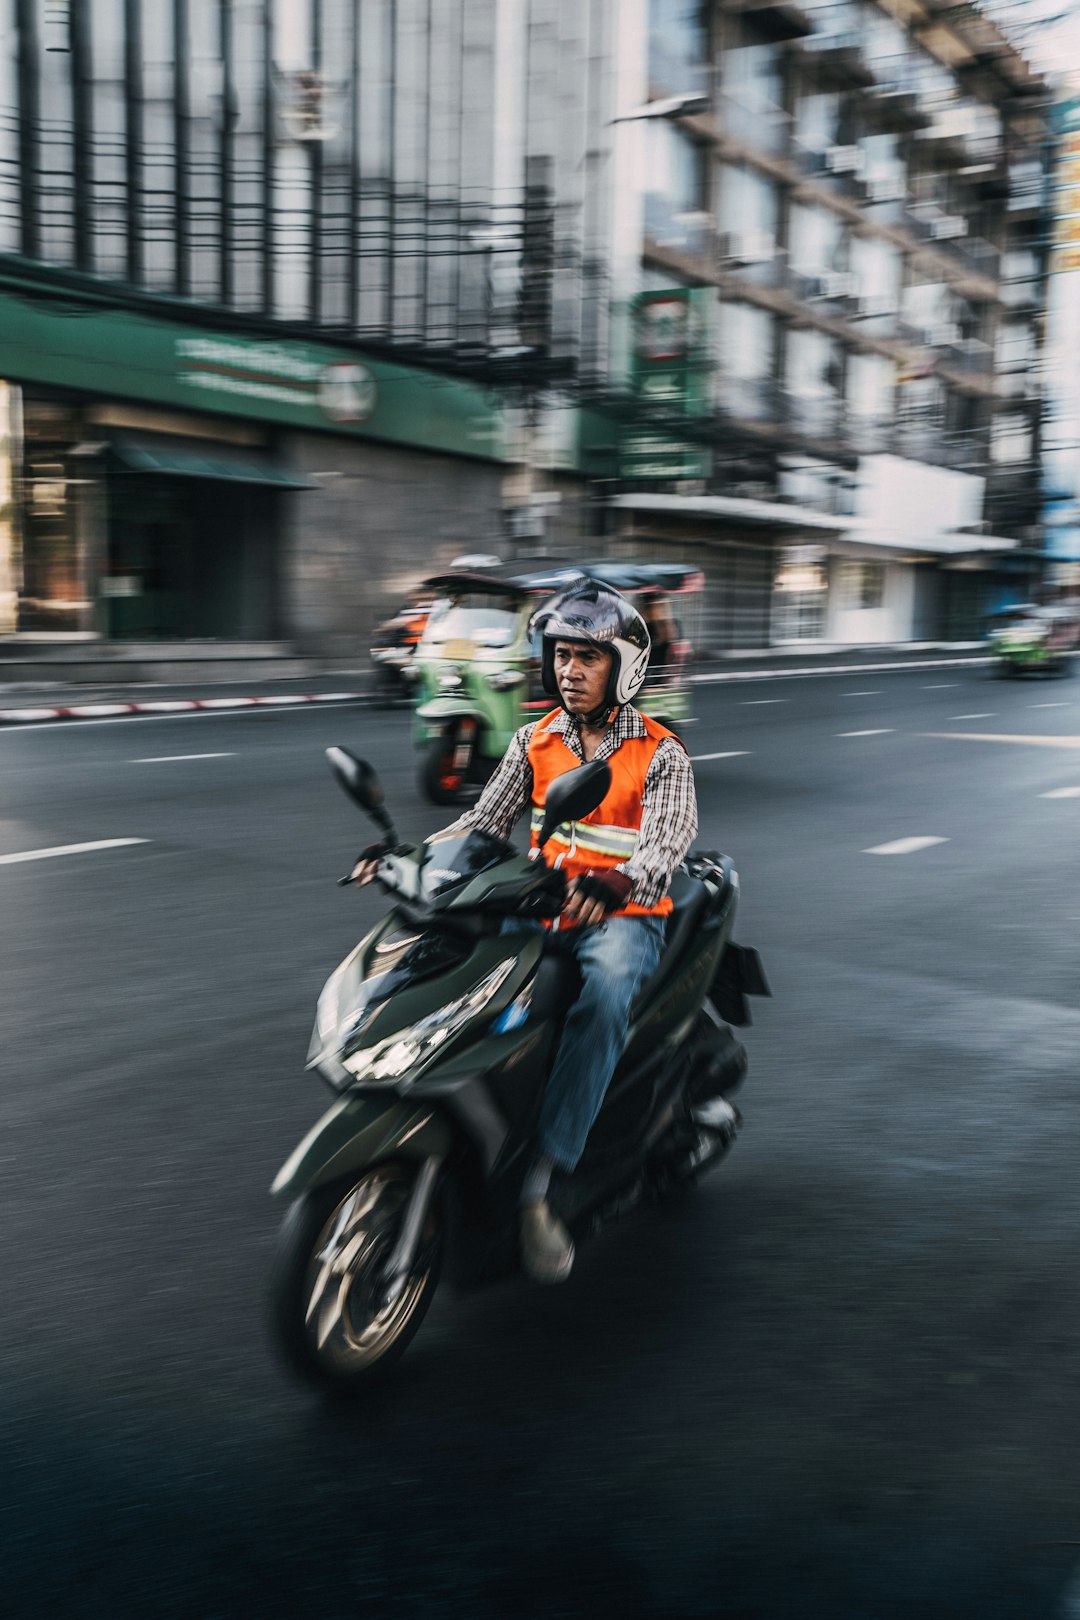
(109, 351)
(669, 382)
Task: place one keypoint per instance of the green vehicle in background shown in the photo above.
(1028, 639)
(477, 676)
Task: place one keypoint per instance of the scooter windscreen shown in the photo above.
(450, 862)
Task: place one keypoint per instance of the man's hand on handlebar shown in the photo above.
(367, 863)
(594, 895)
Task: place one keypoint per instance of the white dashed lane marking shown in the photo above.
(69, 849)
(876, 693)
(167, 759)
(736, 753)
(904, 846)
(1062, 793)
(1004, 737)
(1047, 705)
(988, 715)
(881, 731)
(759, 703)
(941, 686)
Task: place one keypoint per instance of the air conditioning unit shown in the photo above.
(885, 188)
(948, 226)
(877, 304)
(844, 160)
(747, 247)
(946, 334)
(838, 284)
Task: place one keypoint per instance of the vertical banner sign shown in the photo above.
(669, 379)
(1061, 430)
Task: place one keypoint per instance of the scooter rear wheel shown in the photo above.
(328, 1307)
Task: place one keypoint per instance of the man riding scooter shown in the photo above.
(619, 863)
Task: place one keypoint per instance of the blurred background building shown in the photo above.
(270, 271)
(298, 296)
(844, 205)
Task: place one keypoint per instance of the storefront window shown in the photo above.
(800, 594)
(860, 585)
(57, 505)
(9, 529)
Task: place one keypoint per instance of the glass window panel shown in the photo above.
(9, 132)
(815, 241)
(108, 119)
(811, 371)
(675, 186)
(746, 342)
(753, 70)
(749, 203)
(1011, 439)
(677, 46)
(860, 585)
(870, 387)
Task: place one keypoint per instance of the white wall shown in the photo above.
(892, 621)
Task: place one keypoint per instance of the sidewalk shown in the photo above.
(29, 702)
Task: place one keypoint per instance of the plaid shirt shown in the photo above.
(668, 808)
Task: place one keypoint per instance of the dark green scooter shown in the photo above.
(438, 1033)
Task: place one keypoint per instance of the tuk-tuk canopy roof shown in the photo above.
(509, 579)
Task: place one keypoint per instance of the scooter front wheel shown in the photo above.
(331, 1313)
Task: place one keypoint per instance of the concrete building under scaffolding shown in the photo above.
(829, 258)
(298, 297)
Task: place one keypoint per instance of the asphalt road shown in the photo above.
(838, 1381)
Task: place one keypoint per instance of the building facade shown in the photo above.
(298, 297)
(842, 215)
(275, 277)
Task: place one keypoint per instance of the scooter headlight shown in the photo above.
(411, 1048)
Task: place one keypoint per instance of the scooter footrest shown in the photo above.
(717, 1115)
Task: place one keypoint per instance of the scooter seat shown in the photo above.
(689, 900)
(557, 984)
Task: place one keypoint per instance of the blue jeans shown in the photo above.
(614, 959)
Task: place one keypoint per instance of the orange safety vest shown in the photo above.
(609, 834)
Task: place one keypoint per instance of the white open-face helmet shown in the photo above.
(591, 612)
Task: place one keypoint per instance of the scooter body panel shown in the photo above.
(363, 1129)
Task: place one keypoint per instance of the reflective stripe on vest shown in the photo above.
(619, 842)
(609, 835)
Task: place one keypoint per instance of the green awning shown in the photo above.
(169, 463)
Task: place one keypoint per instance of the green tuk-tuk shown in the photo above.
(477, 675)
(1027, 638)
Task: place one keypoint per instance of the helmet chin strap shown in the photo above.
(602, 715)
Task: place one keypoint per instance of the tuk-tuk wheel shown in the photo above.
(445, 767)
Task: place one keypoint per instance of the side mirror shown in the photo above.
(573, 795)
(360, 782)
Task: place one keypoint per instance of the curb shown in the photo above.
(283, 700)
(712, 677)
(166, 706)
